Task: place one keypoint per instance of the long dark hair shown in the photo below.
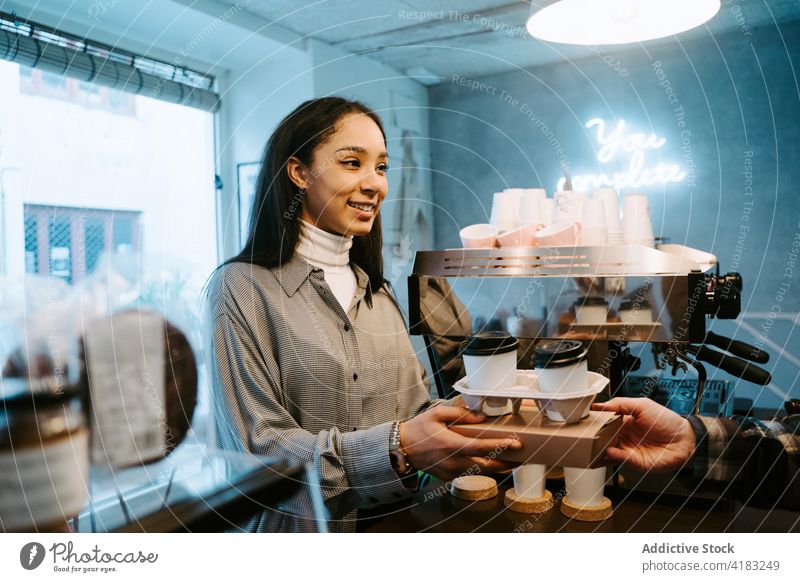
(274, 226)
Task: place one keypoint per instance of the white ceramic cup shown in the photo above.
(637, 227)
(505, 210)
(529, 481)
(585, 486)
(478, 236)
(559, 235)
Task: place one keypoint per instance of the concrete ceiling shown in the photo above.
(428, 39)
(205, 34)
(466, 37)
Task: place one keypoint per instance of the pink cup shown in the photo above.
(561, 234)
(524, 236)
(478, 236)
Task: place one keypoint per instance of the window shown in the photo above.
(86, 169)
(89, 95)
(76, 238)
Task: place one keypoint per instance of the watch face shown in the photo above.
(399, 462)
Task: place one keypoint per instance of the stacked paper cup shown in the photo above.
(518, 193)
(505, 209)
(548, 211)
(530, 206)
(637, 228)
(569, 206)
(613, 221)
(594, 223)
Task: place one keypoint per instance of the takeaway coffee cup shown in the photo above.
(591, 311)
(490, 360)
(585, 486)
(636, 312)
(561, 366)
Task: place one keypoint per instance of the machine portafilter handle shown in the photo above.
(737, 348)
(734, 366)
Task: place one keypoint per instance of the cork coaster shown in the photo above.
(594, 513)
(526, 505)
(555, 474)
(473, 487)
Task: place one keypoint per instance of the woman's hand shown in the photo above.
(652, 438)
(431, 446)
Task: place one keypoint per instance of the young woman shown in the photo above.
(311, 360)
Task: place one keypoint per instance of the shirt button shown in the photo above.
(346, 327)
(355, 377)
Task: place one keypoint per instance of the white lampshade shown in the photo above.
(602, 22)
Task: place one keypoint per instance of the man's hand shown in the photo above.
(652, 438)
(431, 446)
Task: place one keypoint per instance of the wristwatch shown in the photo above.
(397, 455)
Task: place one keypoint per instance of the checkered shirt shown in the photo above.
(760, 459)
(295, 377)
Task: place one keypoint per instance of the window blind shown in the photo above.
(37, 46)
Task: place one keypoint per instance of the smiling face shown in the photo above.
(346, 181)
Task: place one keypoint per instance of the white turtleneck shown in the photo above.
(331, 253)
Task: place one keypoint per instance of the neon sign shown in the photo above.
(617, 144)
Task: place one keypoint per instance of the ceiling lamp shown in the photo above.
(595, 22)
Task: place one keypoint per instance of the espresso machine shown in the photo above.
(681, 287)
(618, 300)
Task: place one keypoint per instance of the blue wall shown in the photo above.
(732, 102)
